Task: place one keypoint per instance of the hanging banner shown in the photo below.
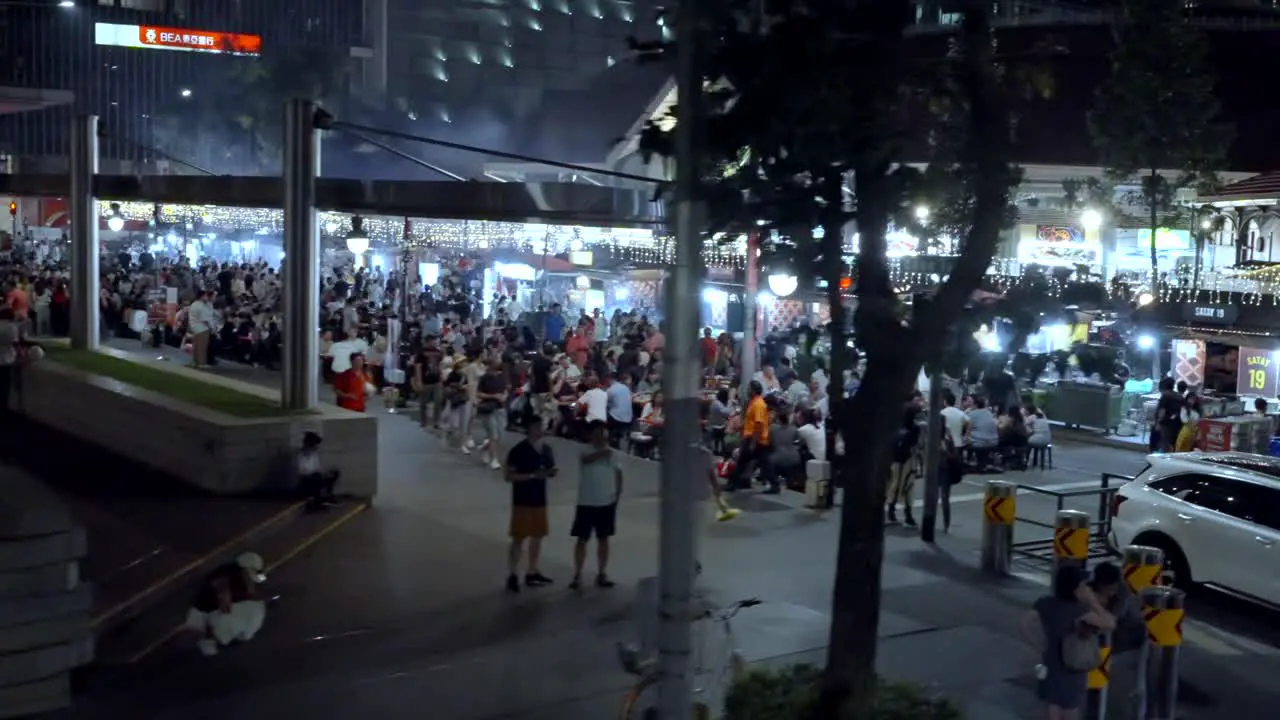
(1207, 313)
(1189, 361)
(1256, 373)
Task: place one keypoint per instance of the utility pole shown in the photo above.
(301, 371)
(932, 451)
(681, 455)
(749, 350)
(85, 331)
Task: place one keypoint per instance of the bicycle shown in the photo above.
(646, 669)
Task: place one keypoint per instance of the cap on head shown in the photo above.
(250, 561)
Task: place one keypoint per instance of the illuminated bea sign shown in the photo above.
(166, 38)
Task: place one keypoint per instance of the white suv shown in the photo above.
(1215, 515)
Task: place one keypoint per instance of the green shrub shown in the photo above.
(791, 693)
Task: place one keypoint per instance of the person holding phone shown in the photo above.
(599, 488)
(529, 464)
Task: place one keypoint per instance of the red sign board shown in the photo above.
(1256, 373)
(1213, 435)
(199, 40)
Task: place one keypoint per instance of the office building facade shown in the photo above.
(514, 75)
(160, 73)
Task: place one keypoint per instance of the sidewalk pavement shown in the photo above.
(401, 610)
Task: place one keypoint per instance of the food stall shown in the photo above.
(1229, 377)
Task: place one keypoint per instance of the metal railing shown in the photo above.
(1040, 550)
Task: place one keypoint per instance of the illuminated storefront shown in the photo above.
(1174, 248)
(1059, 246)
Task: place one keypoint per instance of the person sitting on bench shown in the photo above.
(315, 481)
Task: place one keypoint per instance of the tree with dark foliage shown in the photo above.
(809, 103)
(1158, 112)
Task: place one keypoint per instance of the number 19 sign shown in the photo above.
(1257, 373)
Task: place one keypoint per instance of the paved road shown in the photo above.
(402, 609)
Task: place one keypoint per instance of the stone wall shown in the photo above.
(44, 608)
(210, 450)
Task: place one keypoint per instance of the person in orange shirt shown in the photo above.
(709, 347)
(19, 303)
(755, 452)
(350, 384)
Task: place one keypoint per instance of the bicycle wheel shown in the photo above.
(629, 704)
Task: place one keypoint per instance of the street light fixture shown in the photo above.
(1091, 219)
(922, 213)
(185, 92)
(357, 239)
(115, 221)
(782, 285)
(67, 4)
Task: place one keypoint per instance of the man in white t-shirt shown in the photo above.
(342, 351)
(599, 487)
(597, 402)
(350, 317)
(955, 420)
(200, 321)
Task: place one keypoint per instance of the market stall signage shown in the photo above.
(1216, 314)
(1256, 373)
(1213, 435)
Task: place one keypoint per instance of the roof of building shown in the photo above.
(582, 126)
(1264, 186)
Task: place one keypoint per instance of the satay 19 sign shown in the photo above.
(1257, 373)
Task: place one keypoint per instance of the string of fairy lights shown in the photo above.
(648, 247)
(632, 245)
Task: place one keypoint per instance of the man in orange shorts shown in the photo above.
(529, 465)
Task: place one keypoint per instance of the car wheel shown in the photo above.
(1175, 561)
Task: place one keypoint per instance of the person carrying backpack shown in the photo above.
(1064, 626)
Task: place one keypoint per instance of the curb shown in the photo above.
(1087, 437)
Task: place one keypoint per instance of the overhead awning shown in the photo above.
(565, 203)
(16, 100)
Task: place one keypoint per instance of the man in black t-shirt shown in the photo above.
(540, 386)
(1168, 420)
(426, 382)
(529, 464)
(491, 398)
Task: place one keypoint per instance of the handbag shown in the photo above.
(1080, 650)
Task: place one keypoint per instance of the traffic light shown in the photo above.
(13, 208)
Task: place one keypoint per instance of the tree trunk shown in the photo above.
(932, 456)
(849, 682)
(1153, 202)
